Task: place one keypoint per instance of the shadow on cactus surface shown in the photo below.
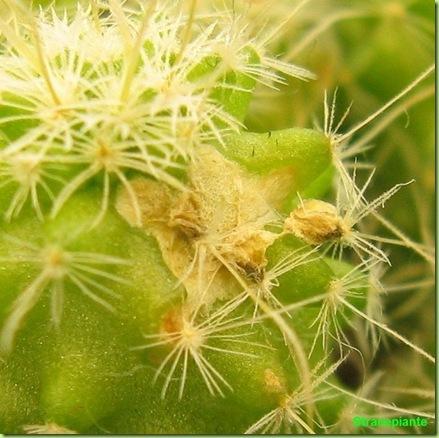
(217, 217)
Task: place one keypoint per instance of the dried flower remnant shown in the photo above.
(315, 222)
(318, 222)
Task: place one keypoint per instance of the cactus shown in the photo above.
(166, 266)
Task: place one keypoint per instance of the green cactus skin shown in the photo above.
(163, 270)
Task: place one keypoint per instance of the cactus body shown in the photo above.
(163, 269)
